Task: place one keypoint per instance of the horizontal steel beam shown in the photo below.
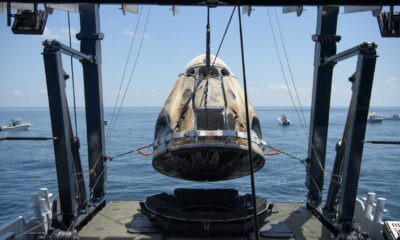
(27, 138)
(68, 51)
(227, 2)
(350, 53)
(383, 142)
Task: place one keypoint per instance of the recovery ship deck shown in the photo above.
(114, 220)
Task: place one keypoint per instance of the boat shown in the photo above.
(394, 117)
(374, 118)
(284, 120)
(15, 125)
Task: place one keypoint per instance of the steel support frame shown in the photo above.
(354, 141)
(90, 38)
(61, 128)
(346, 171)
(325, 47)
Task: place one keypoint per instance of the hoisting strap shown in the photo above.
(253, 187)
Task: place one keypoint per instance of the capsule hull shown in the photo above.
(201, 130)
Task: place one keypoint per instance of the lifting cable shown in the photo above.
(223, 37)
(205, 95)
(92, 170)
(283, 72)
(278, 151)
(123, 74)
(72, 73)
(139, 150)
(290, 69)
(131, 75)
(303, 124)
(253, 187)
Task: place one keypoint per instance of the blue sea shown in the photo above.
(26, 166)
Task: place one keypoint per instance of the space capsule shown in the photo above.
(200, 133)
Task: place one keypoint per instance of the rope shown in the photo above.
(123, 74)
(130, 77)
(303, 124)
(112, 158)
(290, 69)
(223, 37)
(128, 152)
(72, 73)
(283, 71)
(287, 154)
(271, 153)
(92, 170)
(253, 187)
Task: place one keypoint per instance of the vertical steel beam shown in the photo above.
(334, 185)
(60, 124)
(325, 46)
(358, 115)
(90, 37)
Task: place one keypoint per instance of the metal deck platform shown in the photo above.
(113, 220)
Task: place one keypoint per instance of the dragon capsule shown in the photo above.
(200, 134)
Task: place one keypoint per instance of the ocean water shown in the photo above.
(26, 166)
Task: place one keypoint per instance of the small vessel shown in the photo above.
(374, 118)
(394, 117)
(284, 120)
(15, 125)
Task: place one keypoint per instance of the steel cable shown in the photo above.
(253, 187)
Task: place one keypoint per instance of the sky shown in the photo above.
(170, 42)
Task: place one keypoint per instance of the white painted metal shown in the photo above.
(376, 10)
(40, 223)
(64, 7)
(23, 6)
(369, 223)
(132, 8)
(289, 9)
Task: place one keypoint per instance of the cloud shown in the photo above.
(129, 33)
(4, 34)
(43, 92)
(392, 83)
(61, 34)
(277, 87)
(16, 92)
(77, 93)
